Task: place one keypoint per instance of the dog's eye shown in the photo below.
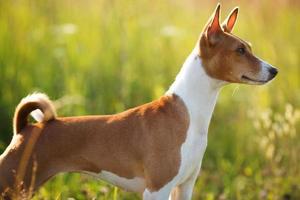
(241, 50)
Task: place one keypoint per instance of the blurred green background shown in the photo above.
(101, 57)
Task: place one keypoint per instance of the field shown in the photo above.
(101, 57)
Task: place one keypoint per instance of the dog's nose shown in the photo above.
(273, 71)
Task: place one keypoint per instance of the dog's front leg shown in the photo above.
(162, 194)
(185, 190)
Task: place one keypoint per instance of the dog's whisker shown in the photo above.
(235, 90)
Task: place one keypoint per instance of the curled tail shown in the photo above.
(40, 107)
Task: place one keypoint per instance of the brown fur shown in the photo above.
(22, 113)
(221, 61)
(141, 142)
(218, 51)
(32, 102)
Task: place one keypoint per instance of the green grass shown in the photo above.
(101, 57)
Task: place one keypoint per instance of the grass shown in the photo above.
(104, 56)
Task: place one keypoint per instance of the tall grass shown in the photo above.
(101, 57)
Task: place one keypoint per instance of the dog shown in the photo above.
(155, 149)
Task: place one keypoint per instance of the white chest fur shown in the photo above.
(199, 92)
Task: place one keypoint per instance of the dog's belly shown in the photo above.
(136, 184)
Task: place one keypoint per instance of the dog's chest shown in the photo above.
(192, 152)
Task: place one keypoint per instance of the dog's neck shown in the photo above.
(198, 91)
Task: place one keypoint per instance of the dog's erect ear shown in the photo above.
(228, 23)
(213, 27)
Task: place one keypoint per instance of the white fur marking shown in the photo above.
(37, 115)
(136, 184)
(264, 72)
(162, 194)
(199, 93)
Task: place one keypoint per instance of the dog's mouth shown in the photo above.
(252, 81)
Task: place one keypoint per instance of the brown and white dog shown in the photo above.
(155, 149)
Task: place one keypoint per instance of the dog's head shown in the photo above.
(228, 58)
